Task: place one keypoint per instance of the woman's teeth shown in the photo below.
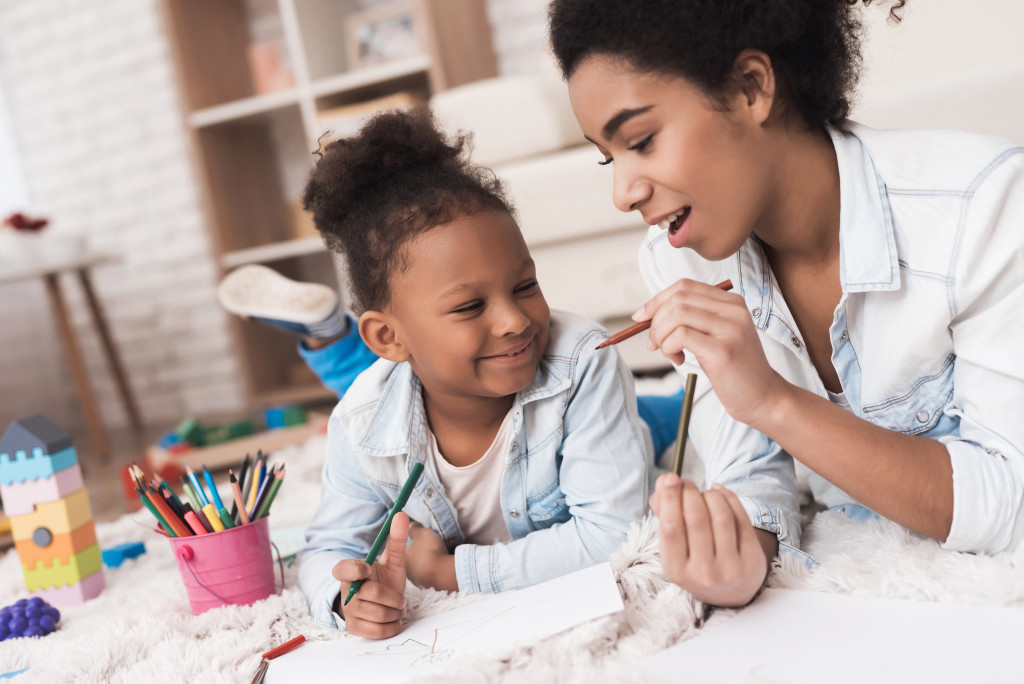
(667, 221)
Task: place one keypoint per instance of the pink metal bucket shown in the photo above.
(233, 566)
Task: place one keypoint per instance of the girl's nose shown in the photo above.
(628, 189)
(510, 319)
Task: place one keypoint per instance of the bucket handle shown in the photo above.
(186, 554)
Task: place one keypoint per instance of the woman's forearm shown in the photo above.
(905, 478)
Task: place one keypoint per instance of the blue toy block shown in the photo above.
(32, 448)
(170, 439)
(115, 556)
(21, 466)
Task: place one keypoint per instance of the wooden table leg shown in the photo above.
(127, 398)
(79, 373)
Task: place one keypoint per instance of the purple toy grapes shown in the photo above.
(28, 618)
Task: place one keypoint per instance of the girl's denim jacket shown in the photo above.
(576, 473)
(928, 336)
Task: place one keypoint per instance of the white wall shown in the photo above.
(93, 102)
(949, 64)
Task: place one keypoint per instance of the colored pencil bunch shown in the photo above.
(203, 511)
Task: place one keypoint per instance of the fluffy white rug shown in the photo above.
(141, 628)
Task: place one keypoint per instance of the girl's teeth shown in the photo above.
(665, 223)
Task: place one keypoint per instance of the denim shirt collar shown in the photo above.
(399, 425)
(867, 244)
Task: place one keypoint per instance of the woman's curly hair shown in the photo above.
(397, 178)
(814, 45)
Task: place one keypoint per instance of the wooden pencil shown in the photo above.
(637, 328)
(684, 424)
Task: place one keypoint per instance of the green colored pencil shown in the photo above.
(156, 514)
(275, 485)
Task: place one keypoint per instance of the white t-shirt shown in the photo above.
(475, 490)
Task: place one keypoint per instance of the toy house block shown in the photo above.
(20, 498)
(77, 593)
(34, 448)
(78, 567)
(59, 517)
(44, 547)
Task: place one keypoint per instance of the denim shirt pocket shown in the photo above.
(548, 508)
(920, 409)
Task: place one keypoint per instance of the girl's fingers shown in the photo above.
(698, 522)
(350, 570)
(398, 536)
(372, 630)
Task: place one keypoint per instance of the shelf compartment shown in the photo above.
(286, 249)
(243, 109)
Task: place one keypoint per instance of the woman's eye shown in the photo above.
(642, 145)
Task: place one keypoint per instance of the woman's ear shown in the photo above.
(379, 333)
(755, 76)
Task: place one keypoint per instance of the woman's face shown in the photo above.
(698, 172)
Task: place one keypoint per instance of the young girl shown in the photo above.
(536, 461)
(875, 329)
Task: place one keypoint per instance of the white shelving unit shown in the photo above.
(252, 149)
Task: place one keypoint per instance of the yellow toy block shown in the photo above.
(81, 565)
(59, 517)
(61, 546)
(77, 593)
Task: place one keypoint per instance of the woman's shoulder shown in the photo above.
(933, 161)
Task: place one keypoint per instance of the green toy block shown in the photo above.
(192, 432)
(79, 566)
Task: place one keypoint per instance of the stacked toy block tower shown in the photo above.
(51, 521)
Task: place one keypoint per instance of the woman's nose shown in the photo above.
(628, 189)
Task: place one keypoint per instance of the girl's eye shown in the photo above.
(526, 287)
(642, 145)
(468, 308)
(606, 162)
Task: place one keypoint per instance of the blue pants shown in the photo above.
(338, 364)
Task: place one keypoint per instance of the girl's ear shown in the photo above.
(380, 334)
(754, 74)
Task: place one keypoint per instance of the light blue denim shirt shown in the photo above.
(576, 473)
(928, 335)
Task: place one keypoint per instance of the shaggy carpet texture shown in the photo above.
(141, 629)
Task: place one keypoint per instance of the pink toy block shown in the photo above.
(77, 593)
(21, 498)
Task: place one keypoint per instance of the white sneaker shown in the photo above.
(264, 295)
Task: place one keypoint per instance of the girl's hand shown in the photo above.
(716, 327)
(377, 609)
(428, 561)
(708, 546)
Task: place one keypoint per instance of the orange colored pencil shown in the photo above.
(180, 528)
(644, 325)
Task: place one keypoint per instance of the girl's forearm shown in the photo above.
(905, 478)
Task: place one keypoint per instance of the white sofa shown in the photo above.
(586, 249)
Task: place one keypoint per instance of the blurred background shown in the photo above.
(174, 136)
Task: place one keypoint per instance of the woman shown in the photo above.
(879, 276)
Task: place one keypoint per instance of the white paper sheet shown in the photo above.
(431, 644)
(798, 637)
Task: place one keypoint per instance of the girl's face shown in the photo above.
(700, 173)
(469, 309)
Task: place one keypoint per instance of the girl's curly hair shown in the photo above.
(814, 45)
(397, 178)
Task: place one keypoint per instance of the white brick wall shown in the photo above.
(92, 99)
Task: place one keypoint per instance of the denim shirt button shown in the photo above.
(842, 336)
(922, 416)
(796, 341)
(429, 493)
(755, 312)
(514, 513)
